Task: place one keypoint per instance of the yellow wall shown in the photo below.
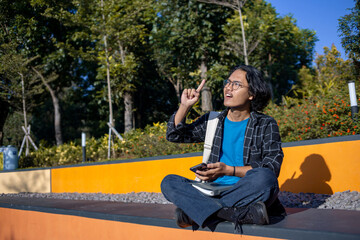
(321, 168)
(25, 181)
(143, 176)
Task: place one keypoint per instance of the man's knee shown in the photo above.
(166, 182)
(169, 182)
(263, 177)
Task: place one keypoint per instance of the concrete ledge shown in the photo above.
(26, 181)
(72, 219)
(312, 166)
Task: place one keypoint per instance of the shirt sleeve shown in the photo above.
(187, 133)
(271, 151)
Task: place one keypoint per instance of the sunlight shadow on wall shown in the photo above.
(313, 179)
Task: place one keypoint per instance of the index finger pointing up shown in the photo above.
(201, 85)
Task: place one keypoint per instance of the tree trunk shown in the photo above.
(241, 4)
(56, 104)
(111, 118)
(128, 115)
(206, 97)
(178, 90)
(176, 82)
(57, 119)
(24, 110)
(4, 106)
(268, 75)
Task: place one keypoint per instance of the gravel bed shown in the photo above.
(341, 200)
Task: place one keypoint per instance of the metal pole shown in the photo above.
(353, 100)
(109, 143)
(116, 132)
(83, 144)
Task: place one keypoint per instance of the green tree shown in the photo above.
(186, 38)
(41, 32)
(275, 44)
(349, 28)
(10, 66)
(119, 29)
(329, 76)
(319, 107)
(236, 5)
(172, 42)
(14, 68)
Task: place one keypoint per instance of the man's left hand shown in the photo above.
(214, 171)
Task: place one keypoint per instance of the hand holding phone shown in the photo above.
(201, 167)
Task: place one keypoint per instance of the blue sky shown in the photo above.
(319, 15)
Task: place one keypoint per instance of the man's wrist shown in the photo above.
(229, 170)
(181, 114)
(185, 107)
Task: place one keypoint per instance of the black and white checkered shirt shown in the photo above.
(262, 143)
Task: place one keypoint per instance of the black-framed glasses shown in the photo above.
(235, 84)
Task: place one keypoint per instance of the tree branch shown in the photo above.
(230, 4)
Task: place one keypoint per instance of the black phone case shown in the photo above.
(201, 166)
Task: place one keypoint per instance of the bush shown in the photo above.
(317, 108)
(138, 144)
(319, 104)
(298, 119)
(313, 119)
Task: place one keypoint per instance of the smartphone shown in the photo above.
(201, 167)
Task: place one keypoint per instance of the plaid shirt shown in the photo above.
(262, 143)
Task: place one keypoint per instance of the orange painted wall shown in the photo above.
(21, 224)
(321, 168)
(143, 176)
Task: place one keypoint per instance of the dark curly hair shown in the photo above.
(258, 88)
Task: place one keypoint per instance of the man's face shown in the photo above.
(237, 98)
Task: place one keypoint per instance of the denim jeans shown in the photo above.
(259, 184)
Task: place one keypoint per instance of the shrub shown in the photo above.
(319, 106)
(313, 119)
(138, 144)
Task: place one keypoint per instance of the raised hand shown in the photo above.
(190, 96)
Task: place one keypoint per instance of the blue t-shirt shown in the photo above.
(232, 148)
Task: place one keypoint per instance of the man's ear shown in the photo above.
(251, 97)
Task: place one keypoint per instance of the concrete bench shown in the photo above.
(29, 218)
(316, 166)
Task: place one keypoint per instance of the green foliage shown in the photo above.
(320, 105)
(275, 45)
(314, 118)
(139, 143)
(12, 128)
(151, 45)
(186, 34)
(123, 24)
(318, 108)
(152, 142)
(349, 28)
